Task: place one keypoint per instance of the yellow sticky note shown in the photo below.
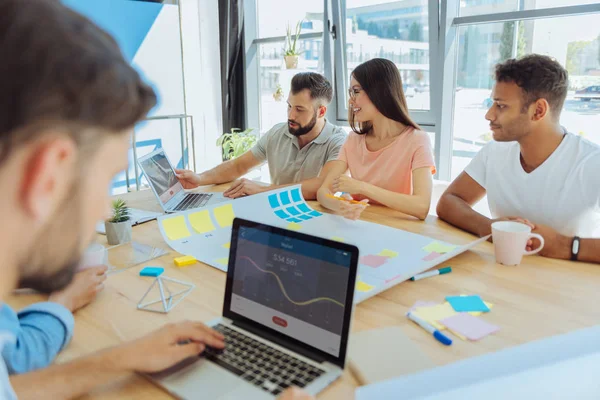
(438, 248)
(224, 215)
(363, 287)
(478, 313)
(185, 260)
(227, 245)
(435, 313)
(223, 261)
(201, 222)
(458, 335)
(388, 253)
(176, 228)
(338, 239)
(294, 226)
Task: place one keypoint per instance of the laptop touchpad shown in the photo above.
(202, 377)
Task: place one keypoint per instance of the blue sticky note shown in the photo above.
(285, 198)
(305, 217)
(315, 213)
(293, 211)
(273, 201)
(304, 208)
(152, 271)
(282, 214)
(296, 196)
(295, 220)
(467, 303)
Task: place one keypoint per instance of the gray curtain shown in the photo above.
(231, 31)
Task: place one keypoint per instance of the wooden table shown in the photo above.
(540, 298)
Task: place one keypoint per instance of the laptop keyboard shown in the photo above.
(261, 365)
(193, 200)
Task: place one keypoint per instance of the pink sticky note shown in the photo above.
(431, 256)
(421, 303)
(467, 325)
(373, 260)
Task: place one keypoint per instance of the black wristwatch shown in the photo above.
(575, 248)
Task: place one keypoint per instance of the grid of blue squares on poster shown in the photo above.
(290, 206)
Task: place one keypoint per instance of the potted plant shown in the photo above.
(118, 228)
(290, 51)
(235, 143)
(278, 94)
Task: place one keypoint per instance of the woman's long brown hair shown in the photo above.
(381, 81)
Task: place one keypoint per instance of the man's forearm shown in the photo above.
(222, 173)
(72, 379)
(457, 212)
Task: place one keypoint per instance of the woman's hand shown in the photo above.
(352, 210)
(344, 183)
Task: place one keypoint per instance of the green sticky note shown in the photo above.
(223, 261)
(388, 253)
(293, 226)
(436, 247)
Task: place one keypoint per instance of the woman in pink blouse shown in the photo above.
(388, 156)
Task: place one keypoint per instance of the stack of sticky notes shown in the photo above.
(185, 260)
(458, 314)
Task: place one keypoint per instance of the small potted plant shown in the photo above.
(235, 143)
(290, 51)
(118, 228)
(278, 94)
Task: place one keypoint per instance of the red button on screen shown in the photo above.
(280, 322)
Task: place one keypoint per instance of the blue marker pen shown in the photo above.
(440, 337)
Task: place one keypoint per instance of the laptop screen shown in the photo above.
(294, 286)
(160, 175)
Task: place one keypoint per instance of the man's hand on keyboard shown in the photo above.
(168, 346)
(294, 393)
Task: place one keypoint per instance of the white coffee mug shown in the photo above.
(93, 256)
(510, 241)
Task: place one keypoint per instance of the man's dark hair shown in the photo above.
(539, 77)
(317, 84)
(59, 70)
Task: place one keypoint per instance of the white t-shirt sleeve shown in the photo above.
(591, 183)
(477, 168)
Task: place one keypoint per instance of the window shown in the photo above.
(269, 87)
(447, 75)
(397, 31)
(480, 7)
(573, 41)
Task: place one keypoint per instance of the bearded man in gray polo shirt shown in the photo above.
(299, 151)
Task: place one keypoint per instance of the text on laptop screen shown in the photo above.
(161, 176)
(295, 287)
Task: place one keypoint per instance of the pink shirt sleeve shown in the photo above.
(343, 155)
(423, 154)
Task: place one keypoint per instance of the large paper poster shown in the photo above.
(388, 256)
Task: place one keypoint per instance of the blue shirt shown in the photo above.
(6, 391)
(41, 331)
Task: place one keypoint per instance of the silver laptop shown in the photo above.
(286, 318)
(167, 188)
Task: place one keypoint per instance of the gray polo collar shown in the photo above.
(321, 139)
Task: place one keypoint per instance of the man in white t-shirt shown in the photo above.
(534, 170)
